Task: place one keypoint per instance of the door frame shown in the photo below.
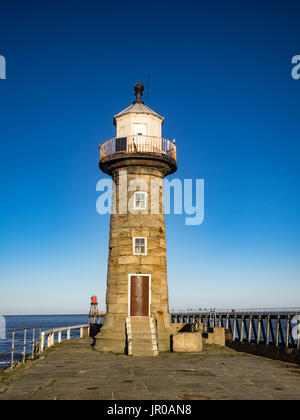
(129, 290)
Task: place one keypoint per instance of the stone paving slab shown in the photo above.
(73, 370)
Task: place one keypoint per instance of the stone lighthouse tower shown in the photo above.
(137, 320)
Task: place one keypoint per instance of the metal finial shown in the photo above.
(138, 91)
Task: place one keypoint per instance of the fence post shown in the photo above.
(227, 322)
(242, 329)
(277, 331)
(206, 322)
(12, 349)
(68, 334)
(42, 342)
(24, 348)
(287, 331)
(268, 330)
(234, 328)
(258, 329)
(33, 343)
(250, 329)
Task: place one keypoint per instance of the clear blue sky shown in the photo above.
(221, 77)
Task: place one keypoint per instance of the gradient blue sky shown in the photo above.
(221, 77)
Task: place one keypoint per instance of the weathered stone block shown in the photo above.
(187, 342)
(217, 336)
(159, 252)
(130, 259)
(150, 260)
(140, 232)
(115, 297)
(124, 250)
(117, 308)
(125, 241)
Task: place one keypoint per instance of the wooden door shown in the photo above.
(139, 296)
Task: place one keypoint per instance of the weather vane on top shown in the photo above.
(148, 87)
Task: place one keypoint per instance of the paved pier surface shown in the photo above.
(73, 370)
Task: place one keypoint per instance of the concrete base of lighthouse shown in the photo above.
(112, 337)
(115, 337)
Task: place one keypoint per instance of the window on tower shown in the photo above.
(140, 246)
(140, 200)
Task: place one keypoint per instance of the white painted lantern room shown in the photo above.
(138, 119)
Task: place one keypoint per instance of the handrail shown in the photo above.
(72, 327)
(35, 345)
(38, 344)
(138, 144)
(18, 329)
(290, 311)
(50, 334)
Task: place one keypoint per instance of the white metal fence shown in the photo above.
(30, 342)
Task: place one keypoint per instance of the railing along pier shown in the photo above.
(49, 335)
(18, 352)
(269, 329)
(33, 344)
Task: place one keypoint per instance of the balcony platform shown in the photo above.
(138, 151)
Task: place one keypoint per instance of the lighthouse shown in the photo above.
(137, 319)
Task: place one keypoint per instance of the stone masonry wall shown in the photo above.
(123, 227)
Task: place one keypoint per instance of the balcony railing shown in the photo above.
(138, 144)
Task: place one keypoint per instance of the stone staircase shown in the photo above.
(141, 336)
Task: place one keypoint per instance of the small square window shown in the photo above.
(140, 246)
(140, 200)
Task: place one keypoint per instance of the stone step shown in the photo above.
(143, 343)
(141, 334)
(140, 323)
(145, 339)
(145, 354)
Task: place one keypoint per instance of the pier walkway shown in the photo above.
(73, 370)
